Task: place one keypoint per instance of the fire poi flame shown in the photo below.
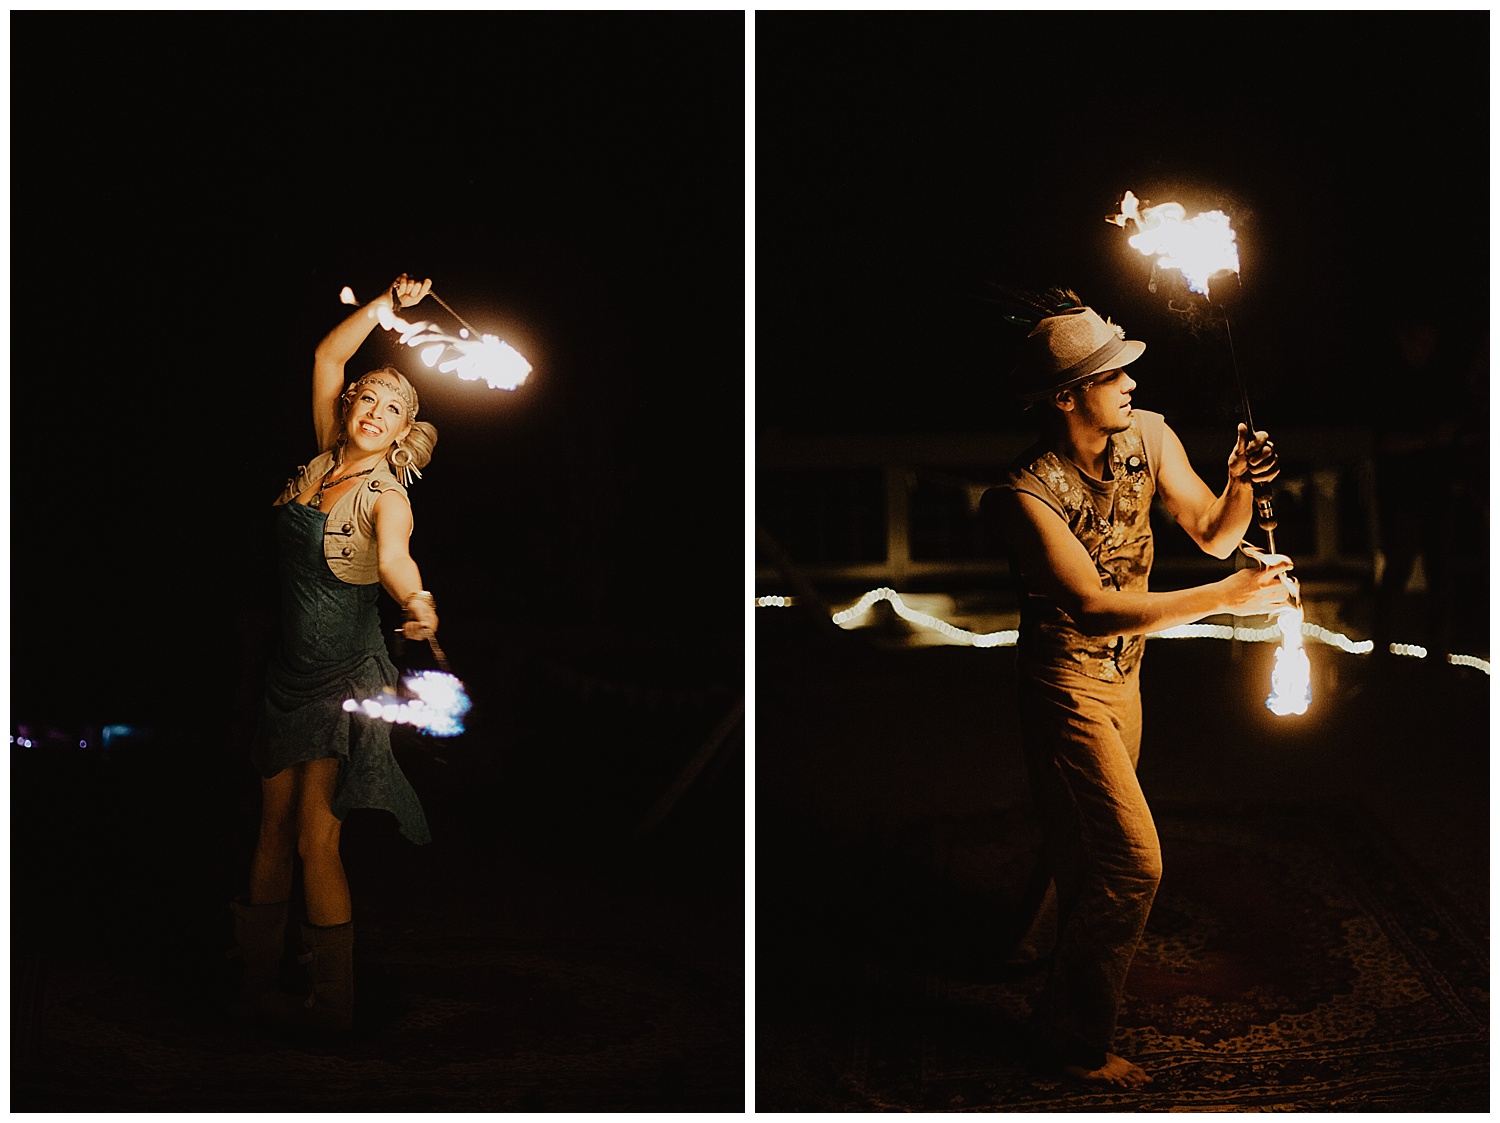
(434, 702)
(1197, 247)
(488, 357)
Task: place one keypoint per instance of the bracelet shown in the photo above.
(420, 594)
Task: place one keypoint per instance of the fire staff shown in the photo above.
(1075, 508)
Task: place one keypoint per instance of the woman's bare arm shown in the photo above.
(341, 344)
(398, 571)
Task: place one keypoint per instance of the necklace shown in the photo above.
(316, 502)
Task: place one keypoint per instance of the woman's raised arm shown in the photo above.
(340, 345)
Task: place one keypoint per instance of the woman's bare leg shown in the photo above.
(325, 888)
(271, 867)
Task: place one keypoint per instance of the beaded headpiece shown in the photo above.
(393, 387)
(401, 458)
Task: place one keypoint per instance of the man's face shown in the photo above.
(1104, 401)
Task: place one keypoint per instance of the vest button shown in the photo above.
(347, 550)
(348, 528)
(374, 485)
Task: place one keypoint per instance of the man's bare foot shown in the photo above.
(1115, 1070)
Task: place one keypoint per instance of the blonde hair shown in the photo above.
(413, 452)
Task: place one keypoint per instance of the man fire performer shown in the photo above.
(1075, 509)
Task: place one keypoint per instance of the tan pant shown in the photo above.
(1082, 739)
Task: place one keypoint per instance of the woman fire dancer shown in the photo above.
(342, 531)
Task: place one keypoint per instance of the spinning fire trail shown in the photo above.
(486, 357)
(1203, 250)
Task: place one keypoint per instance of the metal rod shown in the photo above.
(1244, 397)
(1265, 508)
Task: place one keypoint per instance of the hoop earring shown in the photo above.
(404, 467)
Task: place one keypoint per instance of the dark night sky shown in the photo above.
(902, 164)
(191, 191)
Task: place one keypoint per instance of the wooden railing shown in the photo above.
(906, 509)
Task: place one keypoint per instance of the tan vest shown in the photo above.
(1113, 521)
(349, 533)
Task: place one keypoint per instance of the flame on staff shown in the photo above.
(1197, 247)
(486, 357)
(434, 702)
(1291, 677)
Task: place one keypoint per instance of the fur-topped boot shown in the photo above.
(328, 1007)
(260, 939)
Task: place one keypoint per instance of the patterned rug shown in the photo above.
(1292, 962)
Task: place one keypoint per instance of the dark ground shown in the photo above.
(894, 834)
(542, 953)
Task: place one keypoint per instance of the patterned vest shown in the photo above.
(1113, 521)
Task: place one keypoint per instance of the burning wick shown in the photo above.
(1291, 677)
(487, 357)
(1197, 247)
(434, 702)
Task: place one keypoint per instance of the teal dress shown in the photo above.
(331, 650)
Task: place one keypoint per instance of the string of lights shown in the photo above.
(853, 617)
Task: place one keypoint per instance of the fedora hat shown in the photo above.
(1068, 348)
